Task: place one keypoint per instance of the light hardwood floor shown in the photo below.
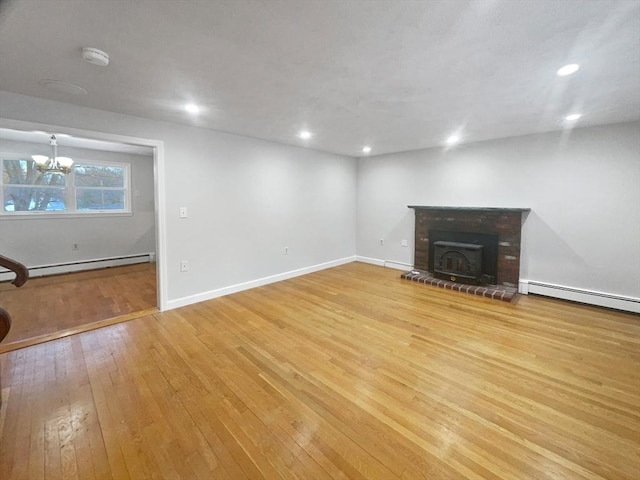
(347, 373)
(49, 306)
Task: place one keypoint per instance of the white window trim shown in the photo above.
(70, 188)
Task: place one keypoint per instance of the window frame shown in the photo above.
(71, 192)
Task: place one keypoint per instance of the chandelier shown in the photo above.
(55, 164)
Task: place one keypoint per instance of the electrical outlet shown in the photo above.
(183, 212)
(184, 265)
(286, 250)
(404, 243)
(75, 247)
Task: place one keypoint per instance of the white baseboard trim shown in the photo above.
(45, 270)
(385, 263)
(601, 299)
(239, 287)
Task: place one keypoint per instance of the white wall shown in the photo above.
(97, 237)
(583, 188)
(247, 199)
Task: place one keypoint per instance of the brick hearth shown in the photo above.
(497, 292)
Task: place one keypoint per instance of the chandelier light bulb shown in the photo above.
(40, 159)
(64, 162)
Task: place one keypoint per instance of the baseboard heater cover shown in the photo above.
(94, 264)
(601, 299)
(385, 263)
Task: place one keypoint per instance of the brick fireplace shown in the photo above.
(498, 230)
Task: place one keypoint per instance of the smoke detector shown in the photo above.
(95, 56)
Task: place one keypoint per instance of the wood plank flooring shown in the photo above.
(347, 373)
(46, 306)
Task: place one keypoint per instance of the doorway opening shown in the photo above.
(112, 269)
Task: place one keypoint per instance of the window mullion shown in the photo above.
(70, 191)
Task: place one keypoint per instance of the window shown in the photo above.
(100, 187)
(91, 187)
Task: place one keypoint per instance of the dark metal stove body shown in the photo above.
(458, 262)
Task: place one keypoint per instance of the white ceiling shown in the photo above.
(396, 75)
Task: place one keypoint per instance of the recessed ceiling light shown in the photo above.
(305, 134)
(366, 149)
(192, 108)
(568, 70)
(453, 139)
(572, 117)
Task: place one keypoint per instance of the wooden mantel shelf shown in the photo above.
(477, 209)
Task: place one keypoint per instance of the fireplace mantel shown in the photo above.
(472, 209)
(505, 223)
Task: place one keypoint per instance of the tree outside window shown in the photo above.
(26, 189)
(91, 187)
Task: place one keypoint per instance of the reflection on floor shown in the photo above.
(47, 305)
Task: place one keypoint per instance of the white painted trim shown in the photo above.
(398, 265)
(372, 261)
(385, 263)
(601, 299)
(201, 297)
(159, 185)
(162, 273)
(45, 270)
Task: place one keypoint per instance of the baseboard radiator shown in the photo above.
(94, 264)
(601, 299)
